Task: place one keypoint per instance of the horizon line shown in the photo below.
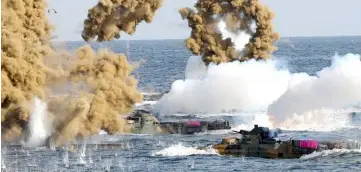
(169, 39)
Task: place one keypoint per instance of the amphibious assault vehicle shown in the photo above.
(261, 142)
(145, 123)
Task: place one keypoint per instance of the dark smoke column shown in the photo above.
(108, 18)
(206, 40)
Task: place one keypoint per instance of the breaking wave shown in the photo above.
(180, 150)
(331, 153)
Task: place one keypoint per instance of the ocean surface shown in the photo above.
(162, 62)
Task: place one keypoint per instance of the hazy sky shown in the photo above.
(293, 18)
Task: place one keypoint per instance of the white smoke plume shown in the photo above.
(337, 86)
(240, 38)
(246, 86)
(226, 86)
(321, 119)
(290, 100)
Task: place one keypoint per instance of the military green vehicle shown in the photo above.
(261, 142)
(143, 122)
(194, 126)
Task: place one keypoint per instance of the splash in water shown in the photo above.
(38, 129)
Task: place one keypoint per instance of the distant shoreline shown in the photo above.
(289, 37)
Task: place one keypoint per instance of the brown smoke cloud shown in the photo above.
(108, 18)
(31, 67)
(206, 40)
(113, 93)
(24, 43)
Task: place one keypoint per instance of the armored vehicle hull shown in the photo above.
(261, 143)
(272, 149)
(144, 122)
(191, 127)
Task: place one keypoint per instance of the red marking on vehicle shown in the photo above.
(194, 123)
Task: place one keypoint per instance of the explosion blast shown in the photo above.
(238, 16)
(26, 53)
(24, 44)
(108, 18)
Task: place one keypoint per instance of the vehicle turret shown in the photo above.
(259, 133)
